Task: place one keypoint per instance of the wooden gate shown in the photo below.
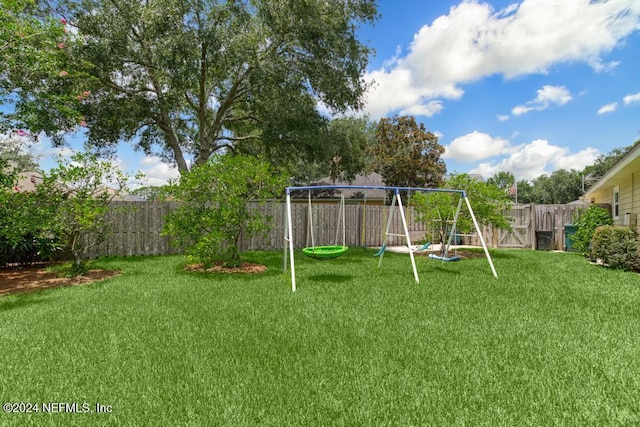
(520, 235)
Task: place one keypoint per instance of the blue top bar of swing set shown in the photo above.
(374, 187)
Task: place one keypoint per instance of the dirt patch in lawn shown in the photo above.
(16, 280)
(244, 268)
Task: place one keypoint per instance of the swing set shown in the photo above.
(336, 250)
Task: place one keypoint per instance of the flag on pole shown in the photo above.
(514, 191)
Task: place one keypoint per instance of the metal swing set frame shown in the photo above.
(395, 203)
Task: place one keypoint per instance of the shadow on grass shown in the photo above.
(11, 302)
(331, 278)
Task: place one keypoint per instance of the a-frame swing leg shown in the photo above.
(386, 232)
(484, 245)
(406, 233)
(396, 197)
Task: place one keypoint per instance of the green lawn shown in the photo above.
(552, 341)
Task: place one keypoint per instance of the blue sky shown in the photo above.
(527, 86)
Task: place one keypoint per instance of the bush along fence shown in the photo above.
(136, 229)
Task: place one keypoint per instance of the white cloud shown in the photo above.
(577, 161)
(538, 158)
(474, 41)
(609, 108)
(476, 146)
(547, 96)
(629, 99)
(156, 172)
(503, 117)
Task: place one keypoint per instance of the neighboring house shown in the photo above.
(371, 180)
(620, 188)
(27, 182)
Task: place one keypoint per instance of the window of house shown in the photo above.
(616, 202)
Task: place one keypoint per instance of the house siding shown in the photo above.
(626, 199)
(629, 197)
(625, 174)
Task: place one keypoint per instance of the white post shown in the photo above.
(386, 233)
(454, 226)
(484, 246)
(290, 233)
(406, 233)
(286, 242)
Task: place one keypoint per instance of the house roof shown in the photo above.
(373, 179)
(628, 164)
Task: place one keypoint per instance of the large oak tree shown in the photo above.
(189, 79)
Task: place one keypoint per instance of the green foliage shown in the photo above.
(15, 152)
(617, 247)
(23, 235)
(351, 141)
(196, 78)
(503, 180)
(8, 176)
(561, 186)
(603, 163)
(151, 193)
(406, 155)
(37, 79)
(489, 203)
(214, 212)
(77, 193)
(525, 192)
(437, 210)
(586, 224)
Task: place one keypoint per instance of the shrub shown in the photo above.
(586, 224)
(617, 247)
(214, 209)
(77, 198)
(23, 238)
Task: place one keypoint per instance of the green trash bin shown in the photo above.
(569, 230)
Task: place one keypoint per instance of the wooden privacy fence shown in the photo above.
(137, 227)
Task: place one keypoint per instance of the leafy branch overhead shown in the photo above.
(189, 79)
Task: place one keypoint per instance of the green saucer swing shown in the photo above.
(325, 252)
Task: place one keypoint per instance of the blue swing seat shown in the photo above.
(381, 251)
(446, 259)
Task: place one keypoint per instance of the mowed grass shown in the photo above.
(552, 341)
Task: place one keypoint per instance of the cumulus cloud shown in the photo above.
(609, 108)
(474, 41)
(156, 172)
(476, 146)
(630, 99)
(547, 96)
(537, 158)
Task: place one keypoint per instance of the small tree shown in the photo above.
(437, 210)
(23, 235)
(214, 212)
(78, 193)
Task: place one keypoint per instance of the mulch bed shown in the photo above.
(16, 280)
(245, 267)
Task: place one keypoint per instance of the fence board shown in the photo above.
(137, 227)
